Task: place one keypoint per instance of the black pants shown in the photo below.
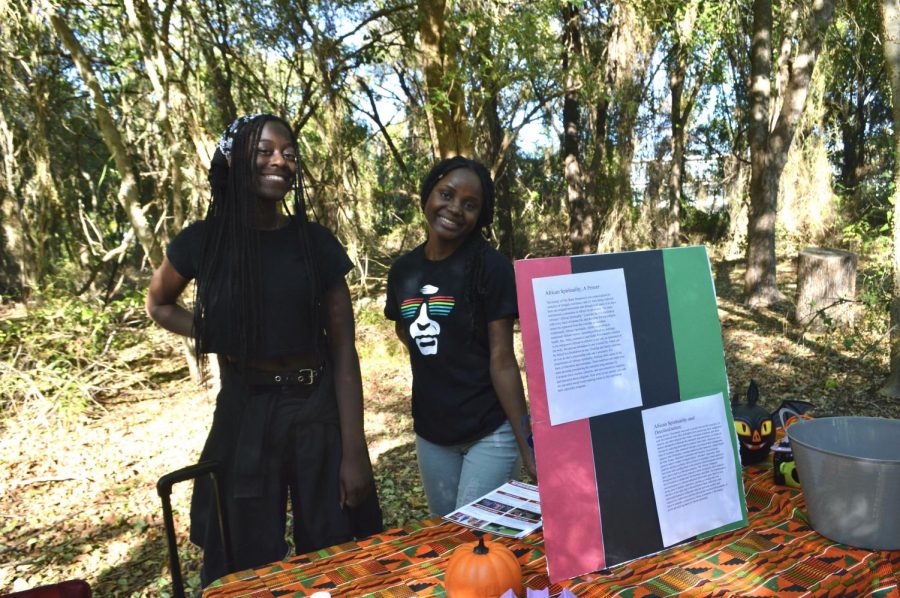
(274, 441)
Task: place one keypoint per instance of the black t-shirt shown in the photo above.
(286, 326)
(453, 399)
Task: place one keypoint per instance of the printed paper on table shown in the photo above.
(513, 510)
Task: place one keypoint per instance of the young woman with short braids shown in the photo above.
(453, 300)
(273, 307)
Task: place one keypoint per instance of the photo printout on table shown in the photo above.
(587, 344)
(692, 465)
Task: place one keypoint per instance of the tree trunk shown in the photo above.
(16, 256)
(143, 27)
(581, 222)
(826, 287)
(504, 202)
(890, 13)
(625, 58)
(44, 202)
(682, 106)
(676, 179)
(446, 101)
(853, 126)
(491, 142)
(769, 144)
(128, 195)
(218, 67)
(759, 281)
(21, 256)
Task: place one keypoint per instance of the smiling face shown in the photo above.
(276, 162)
(452, 210)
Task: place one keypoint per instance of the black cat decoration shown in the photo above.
(754, 426)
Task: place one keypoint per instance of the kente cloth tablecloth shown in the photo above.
(777, 555)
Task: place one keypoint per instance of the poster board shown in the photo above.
(634, 440)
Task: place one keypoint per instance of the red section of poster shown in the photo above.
(564, 453)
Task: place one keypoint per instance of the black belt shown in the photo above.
(298, 377)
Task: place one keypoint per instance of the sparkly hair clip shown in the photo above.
(227, 139)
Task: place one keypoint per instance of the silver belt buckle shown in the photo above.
(307, 376)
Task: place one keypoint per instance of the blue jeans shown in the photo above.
(457, 475)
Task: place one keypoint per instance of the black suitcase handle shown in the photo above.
(164, 489)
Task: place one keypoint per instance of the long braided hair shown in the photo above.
(229, 270)
(476, 244)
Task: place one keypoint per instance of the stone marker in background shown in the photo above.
(826, 287)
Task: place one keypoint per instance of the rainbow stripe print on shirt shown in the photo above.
(410, 307)
(440, 306)
(437, 306)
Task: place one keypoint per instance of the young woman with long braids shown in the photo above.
(453, 300)
(273, 306)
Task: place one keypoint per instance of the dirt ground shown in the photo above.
(80, 502)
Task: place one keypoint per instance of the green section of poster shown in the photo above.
(697, 336)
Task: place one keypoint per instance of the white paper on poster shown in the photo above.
(692, 465)
(586, 344)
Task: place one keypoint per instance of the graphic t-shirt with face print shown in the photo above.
(453, 400)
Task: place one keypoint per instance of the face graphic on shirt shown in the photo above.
(424, 329)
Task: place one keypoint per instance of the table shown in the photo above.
(778, 554)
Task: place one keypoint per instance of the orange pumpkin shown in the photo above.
(482, 570)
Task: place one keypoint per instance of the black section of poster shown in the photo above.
(625, 490)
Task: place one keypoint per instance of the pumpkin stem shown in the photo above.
(481, 548)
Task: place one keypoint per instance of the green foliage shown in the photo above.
(709, 228)
(875, 285)
(369, 313)
(65, 355)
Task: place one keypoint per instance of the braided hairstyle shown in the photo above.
(229, 267)
(476, 244)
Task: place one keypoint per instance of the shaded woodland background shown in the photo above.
(746, 125)
(754, 127)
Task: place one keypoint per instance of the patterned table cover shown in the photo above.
(779, 554)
